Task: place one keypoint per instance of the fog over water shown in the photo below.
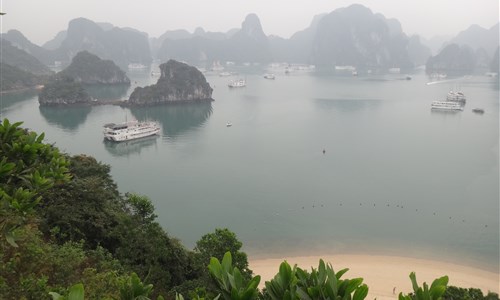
(279, 17)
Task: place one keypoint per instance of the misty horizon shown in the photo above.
(301, 16)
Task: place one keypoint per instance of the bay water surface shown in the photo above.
(395, 177)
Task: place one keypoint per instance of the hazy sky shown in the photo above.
(40, 20)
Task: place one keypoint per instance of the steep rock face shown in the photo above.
(477, 37)
(88, 68)
(18, 58)
(453, 59)
(357, 37)
(250, 44)
(63, 91)
(178, 83)
(298, 48)
(417, 51)
(15, 79)
(56, 42)
(18, 40)
(121, 45)
(494, 62)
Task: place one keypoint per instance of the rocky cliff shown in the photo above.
(16, 57)
(88, 68)
(178, 83)
(14, 79)
(248, 44)
(63, 91)
(453, 59)
(355, 36)
(121, 45)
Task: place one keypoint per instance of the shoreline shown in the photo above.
(383, 273)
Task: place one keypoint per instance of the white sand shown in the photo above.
(383, 273)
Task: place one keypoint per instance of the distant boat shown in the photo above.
(224, 74)
(228, 124)
(345, 68)
(394, 70)
(354, 73)
(478, 110)
(447, 105)
(408, 77)
(136, 66)
(130, 130)
(269, 76)
(216, 66)
(455, 96)
(237, 83)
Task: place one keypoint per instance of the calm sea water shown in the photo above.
(395, 178)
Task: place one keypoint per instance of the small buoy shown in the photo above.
(324, 151)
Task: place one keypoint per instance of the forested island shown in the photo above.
(66, 230)
(68, 86)
(178, 82)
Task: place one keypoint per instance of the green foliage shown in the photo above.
(27, 168)
(325, 284)
(230, 281)
(141, 207)
(284, 284)
(36, 267)
(88, 68)
(86, 208)
(63, 91)
(15, 79)
(217, 244)
(134, 289)
(178, 82)
(457, 293)
(76, 292)
(435, 292)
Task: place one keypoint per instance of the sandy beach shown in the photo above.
(384, 273)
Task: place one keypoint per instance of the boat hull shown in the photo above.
(130, 131)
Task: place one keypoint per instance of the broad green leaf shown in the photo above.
(361, 292)
(56, 296)
(76, 292)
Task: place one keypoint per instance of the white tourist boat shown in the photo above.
(136, 66)
(447, 105)
(130, 130)
(269, 76)
(237, 83)
(455, 96)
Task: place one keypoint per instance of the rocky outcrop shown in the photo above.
(16, 57)
(248, 44)
(88, 68)
(14, 79)
(178, 83)
(355, 36)
(63, 91)
(453, 59)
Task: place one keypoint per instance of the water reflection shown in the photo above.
(108, 92)
(129, 148)
(69, 118)
(175, 118)
(347, 105)
(17, 97)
